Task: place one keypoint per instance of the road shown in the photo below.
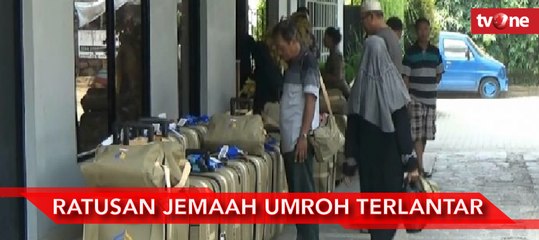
(487, 146)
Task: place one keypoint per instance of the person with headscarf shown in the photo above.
(378, 136)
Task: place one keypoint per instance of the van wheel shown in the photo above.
(489, 88)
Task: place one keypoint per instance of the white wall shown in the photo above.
(340, 21)
(49, 86)
(164, 58)
(218, 55)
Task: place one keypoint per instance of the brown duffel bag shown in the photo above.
(138, 162)
(245, 132)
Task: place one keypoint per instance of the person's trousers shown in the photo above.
(300, 179)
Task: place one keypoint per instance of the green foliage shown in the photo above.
(417, 9)
(260, 28)
(394, 8)
(517, 52)
(353, 59)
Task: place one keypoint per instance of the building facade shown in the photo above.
(40, 147)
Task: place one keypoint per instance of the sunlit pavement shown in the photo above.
(487, 146)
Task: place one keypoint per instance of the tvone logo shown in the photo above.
(501, 21)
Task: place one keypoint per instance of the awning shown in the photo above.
(90, 11)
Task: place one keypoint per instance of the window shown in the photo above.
(324, 13)
(455, 49)
(111, 64)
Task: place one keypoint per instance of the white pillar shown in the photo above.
(164, 58)
(49, 108)
(340, 21)
(217, 55)
(292, 6)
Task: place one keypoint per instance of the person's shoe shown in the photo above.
(412, 231)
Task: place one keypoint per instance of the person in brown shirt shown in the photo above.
(333, 73)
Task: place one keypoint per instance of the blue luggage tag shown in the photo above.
(214, 164)
(229, 152)
(270, 144)
(123, 236)
(204, 119)
(195, 161)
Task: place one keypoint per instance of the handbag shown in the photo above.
(327, 139)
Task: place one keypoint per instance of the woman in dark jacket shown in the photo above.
(378, 136)
(267, 75)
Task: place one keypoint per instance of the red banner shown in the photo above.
(200, 206)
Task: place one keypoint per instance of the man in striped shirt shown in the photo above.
(422, 71)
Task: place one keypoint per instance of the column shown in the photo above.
(164, 58)
(49, 117)
(217, 55)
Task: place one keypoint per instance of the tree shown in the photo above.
(260, 28)
(415, 10)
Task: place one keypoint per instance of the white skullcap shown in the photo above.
(371, 5)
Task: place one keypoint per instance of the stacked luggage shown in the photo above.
(228, 152)
(239, 137)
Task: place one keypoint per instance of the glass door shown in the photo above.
(111, 66)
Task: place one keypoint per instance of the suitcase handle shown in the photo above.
(163, 123)
(128, 127)
(238, 103)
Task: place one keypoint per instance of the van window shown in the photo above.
(455, 49)
(480, 51)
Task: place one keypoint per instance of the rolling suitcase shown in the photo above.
(246, 172)
(263, 168)
(247, 176)
(193, 141)
(204, 231)
(227, 181)
(241, 106)
(201, 130)
(198, 124)
(279, 184)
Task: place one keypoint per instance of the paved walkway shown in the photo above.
(487, 146)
